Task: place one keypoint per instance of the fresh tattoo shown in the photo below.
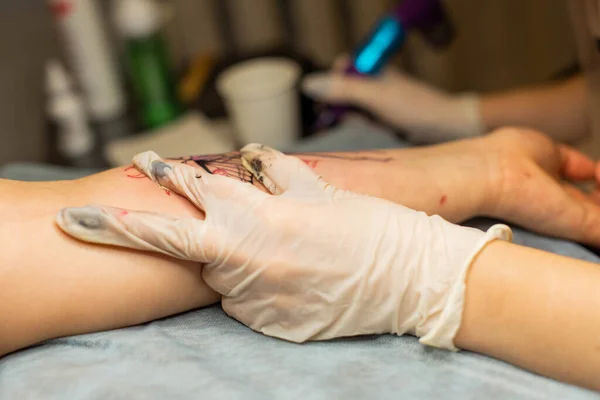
(132, 172)
(373, 156)
(311, 163)
(230, 164)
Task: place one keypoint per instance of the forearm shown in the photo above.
(53, 286)
(559, 110)
(536, 310)
(451, 180)
(433, 179)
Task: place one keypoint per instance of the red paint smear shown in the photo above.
(443, 200)
(311, 163)
(62, 8)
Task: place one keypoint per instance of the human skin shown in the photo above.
(309, 279)
(536, 310)
(53, 286)
(559, 109)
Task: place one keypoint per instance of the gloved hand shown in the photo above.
(309, 262)
(426, 114)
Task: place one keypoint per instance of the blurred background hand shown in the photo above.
(426, 114)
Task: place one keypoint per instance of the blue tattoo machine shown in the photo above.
(425, 16)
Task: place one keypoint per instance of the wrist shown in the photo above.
(455, 250)
(454, 180)
(489, 181)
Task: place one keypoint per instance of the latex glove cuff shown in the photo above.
(445, 328)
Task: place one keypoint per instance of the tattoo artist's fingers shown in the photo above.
(574, 165)
(342, 62)
(337, 88)
(182, 179)
(192, 183)
(280, 173)
(320, 85)
(184, 238)
(149, 163)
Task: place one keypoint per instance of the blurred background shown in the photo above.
(500, 44)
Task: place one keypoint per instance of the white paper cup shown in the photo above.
(262, 99)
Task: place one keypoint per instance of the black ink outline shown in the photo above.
(231, 163)
(345, 157)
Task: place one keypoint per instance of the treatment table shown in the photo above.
(204, 354)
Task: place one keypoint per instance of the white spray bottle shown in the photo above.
(90, 56)
(75, 140)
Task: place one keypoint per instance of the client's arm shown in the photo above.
(51, 285)
(315, 263)
(535, 310)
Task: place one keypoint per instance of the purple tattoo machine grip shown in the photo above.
(425, 16)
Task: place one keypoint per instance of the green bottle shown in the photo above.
(147, 62)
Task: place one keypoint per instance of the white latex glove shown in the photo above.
(426, 114)
(311, 262)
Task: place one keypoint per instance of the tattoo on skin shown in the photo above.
(226, 164)
(132, 172)
(230, 164)
(373, 156)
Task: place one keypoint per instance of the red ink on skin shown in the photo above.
(443, 200)
(219, 171)
(311, 163)
(136, 175)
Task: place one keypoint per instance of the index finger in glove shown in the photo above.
(178, 178)
(194, 184)
(280, 173)
(183, 238)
